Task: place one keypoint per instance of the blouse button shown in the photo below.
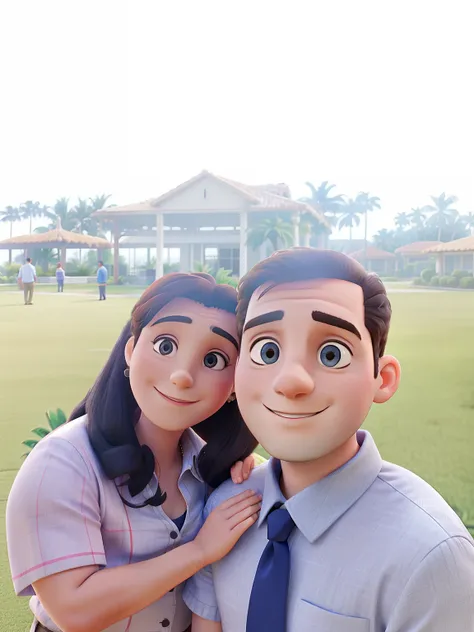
(165, 623)
(173, 535)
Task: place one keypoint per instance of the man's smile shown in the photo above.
(295, 415)
(175, 400)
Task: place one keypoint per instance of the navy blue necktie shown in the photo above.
(268, 599)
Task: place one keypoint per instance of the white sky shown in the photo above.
(132, 98)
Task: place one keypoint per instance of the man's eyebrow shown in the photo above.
(269, 317)
(225, 334)
(329, 319)
(173, 319)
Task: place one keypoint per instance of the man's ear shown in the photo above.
(129, 350)
(388, 379)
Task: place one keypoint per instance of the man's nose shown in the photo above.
(293, 381)
(182, 378)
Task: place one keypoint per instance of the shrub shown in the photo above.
(427, 274)
(453, 282)
(10, 269)
(467, 283)
(390, 279)
(444, 280)
(418, 281)
(460, 274)
(434, 281)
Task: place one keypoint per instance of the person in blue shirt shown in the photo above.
(102, 275)
(345, 541)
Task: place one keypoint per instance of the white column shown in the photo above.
(191, 257)
(243, 245)
(159, 245)
(296, 228)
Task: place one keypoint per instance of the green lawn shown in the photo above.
(52, 351)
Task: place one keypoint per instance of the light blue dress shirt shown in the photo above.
(375, 549)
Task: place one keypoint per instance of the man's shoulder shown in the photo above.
(423, 511)
(228, 489)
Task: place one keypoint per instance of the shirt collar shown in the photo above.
(316, 508)
(192, 445)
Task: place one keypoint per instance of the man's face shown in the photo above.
(305, 378)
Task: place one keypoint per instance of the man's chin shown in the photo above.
(292, 455)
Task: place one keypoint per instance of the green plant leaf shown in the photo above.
(61, 417)
(30, 443)
(56, 418)
(40, 432)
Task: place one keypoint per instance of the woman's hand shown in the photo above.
(226, 524)
(240, 471)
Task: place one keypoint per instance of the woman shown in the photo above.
(104, 517)
(60, 276)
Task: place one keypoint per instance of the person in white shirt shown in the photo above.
(27, 279)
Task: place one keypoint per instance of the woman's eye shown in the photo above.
(165, 346)
(265, 351)
(215, 361)
(334, 355)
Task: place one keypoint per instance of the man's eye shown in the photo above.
(265, 351)
(215, 361)
(334, 355)
(165, 346)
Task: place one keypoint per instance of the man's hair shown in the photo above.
(101, 263)
(28, 259)
(303, 264)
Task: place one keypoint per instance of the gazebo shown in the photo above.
(375, 260)
(454, 255)
(55, 238)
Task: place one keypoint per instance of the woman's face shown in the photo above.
(182, 366)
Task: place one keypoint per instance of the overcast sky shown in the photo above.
(132, 98)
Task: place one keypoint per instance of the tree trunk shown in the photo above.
(31, 224)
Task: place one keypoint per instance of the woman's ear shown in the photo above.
(129, 349)
(388, 379)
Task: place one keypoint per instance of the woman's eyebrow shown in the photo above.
(225, 334)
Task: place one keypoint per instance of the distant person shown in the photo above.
(102, 275)
(27, 279)
(60, 276)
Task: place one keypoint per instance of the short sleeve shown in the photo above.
(440, 594)
(199, 594)
(53, 515)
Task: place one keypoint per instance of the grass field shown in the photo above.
(52, 351)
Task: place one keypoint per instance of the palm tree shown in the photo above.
(402, 220)
(320, 199)
(417, 217)
(441, 211)
(31, 209)
(275, 230)
(366, 203)
(350, 216)
(97, 203)
(468, 221)
(11, 214)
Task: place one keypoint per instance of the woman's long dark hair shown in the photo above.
(112, 410)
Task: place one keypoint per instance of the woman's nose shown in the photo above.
(182, 379)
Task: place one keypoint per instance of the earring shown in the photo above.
(126, 372)
(231, 398)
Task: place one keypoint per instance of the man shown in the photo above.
(27, 279)
(102, 275)
(345, 542)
